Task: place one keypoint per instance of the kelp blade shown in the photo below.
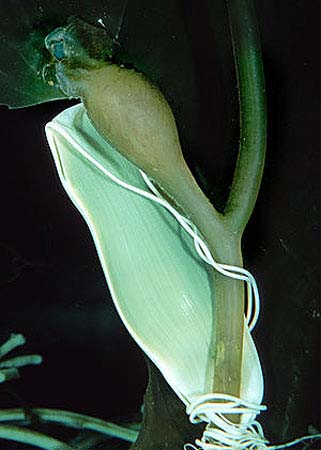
(23, 55)
(148, 36)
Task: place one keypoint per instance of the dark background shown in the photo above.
(53, 290)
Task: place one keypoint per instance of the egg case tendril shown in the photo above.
(238, 273)
(214, 408)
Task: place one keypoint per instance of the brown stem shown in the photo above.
(225, 359)
(165, 423)
(227, 337)
(132, 115)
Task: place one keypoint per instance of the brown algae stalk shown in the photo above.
(132, 114)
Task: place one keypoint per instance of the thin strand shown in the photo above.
(222, 434)
(296, 441)
(15, 340)
(20, 361)
(9, 374)
(31, 437)
(73, 420)
(9, 367)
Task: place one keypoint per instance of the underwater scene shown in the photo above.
(159, 251)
